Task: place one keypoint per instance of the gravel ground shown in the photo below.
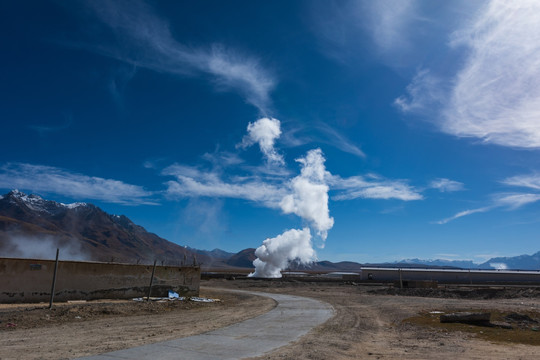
(369, 323)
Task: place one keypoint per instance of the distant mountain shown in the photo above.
(33, 227)
(464, 264)
(243, 259)
(215, 254)
(521, 262)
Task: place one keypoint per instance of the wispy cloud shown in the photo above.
(510, 200)
(194, 182)
(402, 34)
(389, 21)
(146, 41)
(372, 187)
(338, 140)
(320, 132)
(494, 96)
(531, 181)
(515, 201)
(48, 179)
(343, 27)
(425, 92)
(268, 190)
(446, 185)
(464, 213)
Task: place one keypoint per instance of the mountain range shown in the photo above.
(33, 227)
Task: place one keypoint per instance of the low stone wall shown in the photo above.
(30, 280)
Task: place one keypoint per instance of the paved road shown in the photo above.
(292, 318)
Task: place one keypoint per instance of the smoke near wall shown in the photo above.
(40, 247)
(307, 197)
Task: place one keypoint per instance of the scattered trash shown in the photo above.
(201, 299)
(11, 325)
(173, 295)
(78, 317)
(436, 312)
(178, 298)
(160, 299)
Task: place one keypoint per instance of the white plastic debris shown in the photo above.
(201, 299)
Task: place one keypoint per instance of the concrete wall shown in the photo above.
(27, 280)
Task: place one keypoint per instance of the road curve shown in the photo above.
(292, 318)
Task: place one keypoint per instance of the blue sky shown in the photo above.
(426, 115)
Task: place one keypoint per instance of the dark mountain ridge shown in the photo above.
(84, 230)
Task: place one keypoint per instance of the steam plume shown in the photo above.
(308, 199)
(265, 131)
(275, 254)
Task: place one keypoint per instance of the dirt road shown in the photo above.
(370, 323)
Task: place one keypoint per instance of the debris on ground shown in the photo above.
(475, 318)
(179, 298)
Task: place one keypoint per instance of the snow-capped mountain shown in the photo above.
(31, 226)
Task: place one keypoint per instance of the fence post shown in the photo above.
(151, 280)
(54, 279)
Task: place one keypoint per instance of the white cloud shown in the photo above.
(265, 132)
(529, 181)
(48, 179)
(372, 188)
(515, 201)
(497, 93)
(494, 94)
(446, 185)
(146, 41)
(192, 182)
(464, 213)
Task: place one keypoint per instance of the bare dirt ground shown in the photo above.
(369, 323)
(72, 330)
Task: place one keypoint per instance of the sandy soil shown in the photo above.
(368, 323)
